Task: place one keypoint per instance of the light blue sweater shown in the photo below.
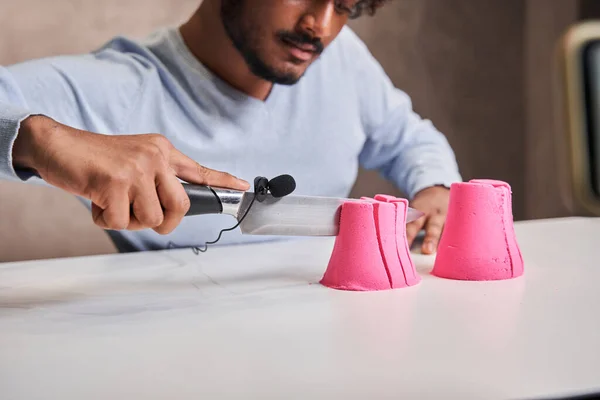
(343, 112)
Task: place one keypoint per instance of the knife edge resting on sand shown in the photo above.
(275, 214)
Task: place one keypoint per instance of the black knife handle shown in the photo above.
(203, 200)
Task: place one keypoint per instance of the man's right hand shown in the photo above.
(117, 173)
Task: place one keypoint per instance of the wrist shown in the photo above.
(29, 147)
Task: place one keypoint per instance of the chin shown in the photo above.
(283, 76)
(289, 73)
(277, 70)
(288, 79)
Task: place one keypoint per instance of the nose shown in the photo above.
(318, 19)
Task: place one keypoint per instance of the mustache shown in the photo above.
(298, 38)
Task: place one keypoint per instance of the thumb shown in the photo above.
(192, 172)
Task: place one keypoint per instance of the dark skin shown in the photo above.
(319, 19)
(250, 44)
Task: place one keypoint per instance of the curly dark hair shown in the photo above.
(368, 6)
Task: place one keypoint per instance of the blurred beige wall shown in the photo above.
(479, 69)
(40, 222)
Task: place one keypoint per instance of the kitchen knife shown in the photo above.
(286, 216)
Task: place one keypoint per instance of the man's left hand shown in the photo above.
(433, 202)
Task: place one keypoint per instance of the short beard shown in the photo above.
(247, 44)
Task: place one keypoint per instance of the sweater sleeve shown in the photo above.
(95, 92)
(11, 115)
(406, 149)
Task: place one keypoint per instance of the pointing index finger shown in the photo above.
(190, 171)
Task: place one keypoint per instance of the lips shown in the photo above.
(303, 51)
(302, 46)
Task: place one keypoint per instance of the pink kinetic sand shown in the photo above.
(371, 251)
(478, 242)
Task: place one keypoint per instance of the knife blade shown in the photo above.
(292, 215)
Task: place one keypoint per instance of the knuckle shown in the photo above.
(119, 226)
(176, 200)
(153, 219)
(202, 171)
(437, 224)
(153, 150)
(164, 229)
(154, 157)
(135, 169)
(116, 223)
(183, 204)
(147, 153)
(119, 179)
(103, 181)
(160, 141)
(100, 193)
(433, 232)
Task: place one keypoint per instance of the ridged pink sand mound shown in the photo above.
(371, 251)
(478, 242)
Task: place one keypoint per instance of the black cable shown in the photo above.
(198, 250)
(279, 186)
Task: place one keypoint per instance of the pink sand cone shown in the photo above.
(356, 262)
(478, 242)
(385, 217)
(402, 247)
(365, 256)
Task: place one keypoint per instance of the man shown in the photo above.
(250, 87)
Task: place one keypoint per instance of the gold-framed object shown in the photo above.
(575, 103)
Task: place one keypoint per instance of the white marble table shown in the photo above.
(253, 322)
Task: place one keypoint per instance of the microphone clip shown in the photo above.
(261, 188)
(280, 186)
